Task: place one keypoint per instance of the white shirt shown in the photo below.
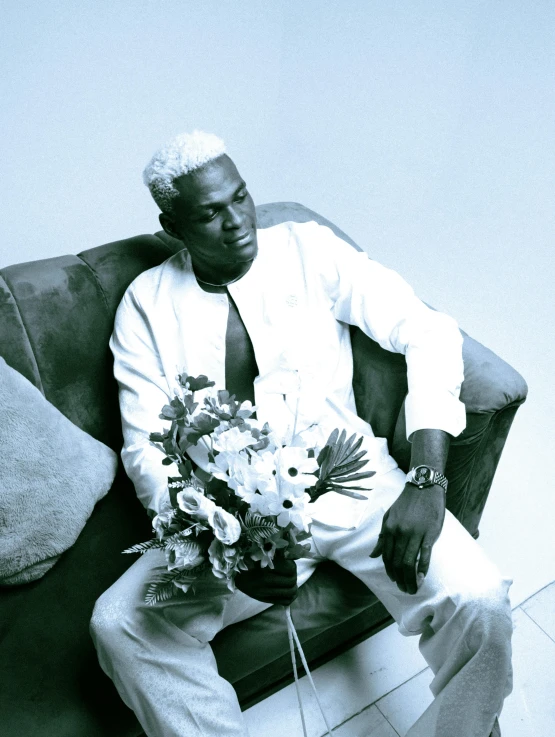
(297, 300)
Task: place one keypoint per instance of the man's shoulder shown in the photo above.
(149, 281)
(291, 235)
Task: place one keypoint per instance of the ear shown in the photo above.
(168, 225)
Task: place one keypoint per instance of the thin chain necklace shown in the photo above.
(209, 284)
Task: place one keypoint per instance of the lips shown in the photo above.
(243, 240)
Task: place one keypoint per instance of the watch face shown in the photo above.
(422, 474)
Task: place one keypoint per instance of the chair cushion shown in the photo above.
(52, 474)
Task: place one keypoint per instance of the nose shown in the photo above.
(234, 218)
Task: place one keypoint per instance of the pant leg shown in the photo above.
(461, 612)
(159, 657)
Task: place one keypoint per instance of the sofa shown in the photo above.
(56, 316)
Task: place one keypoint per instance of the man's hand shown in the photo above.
(410, 528)
(274, 586)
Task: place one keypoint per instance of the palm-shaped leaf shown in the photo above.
(339, 461)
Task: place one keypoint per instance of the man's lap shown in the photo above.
(459, 568)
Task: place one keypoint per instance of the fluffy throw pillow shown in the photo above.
(51, 476)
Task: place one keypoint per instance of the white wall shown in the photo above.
(424, 129)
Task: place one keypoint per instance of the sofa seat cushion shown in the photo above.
(52, 684)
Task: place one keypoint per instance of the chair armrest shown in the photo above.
(490, 384)
(492, 391)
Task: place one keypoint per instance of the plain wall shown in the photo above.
(425, 130)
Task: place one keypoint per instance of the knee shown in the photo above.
(110, 620)
(488, 613)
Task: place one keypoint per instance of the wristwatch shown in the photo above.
(424, 476)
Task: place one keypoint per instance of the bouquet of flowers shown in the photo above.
(253, 499)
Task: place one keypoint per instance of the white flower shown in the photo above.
(291, 505)
(226, 527)
(234, 440)
(161, 523)
(187, 555)
(225, 561)
(193, 502)
(219, 469)
(295, 467)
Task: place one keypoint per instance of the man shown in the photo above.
(236, 305)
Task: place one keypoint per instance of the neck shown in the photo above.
(221, 277)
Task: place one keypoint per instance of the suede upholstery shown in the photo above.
(56, 316)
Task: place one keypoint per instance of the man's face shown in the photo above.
(215, 218)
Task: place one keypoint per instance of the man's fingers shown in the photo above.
(285, 566)
(398, 562)
(409, 565)
(387, 555)
(378, 547)
(425, 558)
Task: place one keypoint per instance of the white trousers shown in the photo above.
(163, 667)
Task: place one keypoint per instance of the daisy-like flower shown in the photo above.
(290, 504)
(295, 467)
(266, 552)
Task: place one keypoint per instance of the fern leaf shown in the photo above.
(178, 539)
(162, 589)
(259, 528)
(146, 546)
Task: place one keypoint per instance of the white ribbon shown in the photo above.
(294, 640)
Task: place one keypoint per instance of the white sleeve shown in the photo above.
(384, 306)
(143, 391)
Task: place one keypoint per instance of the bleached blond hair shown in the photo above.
(181, 155)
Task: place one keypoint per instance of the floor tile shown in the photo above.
(346, 685)
(541, 608)
(404, 706)
(369, 723)
(530, 710)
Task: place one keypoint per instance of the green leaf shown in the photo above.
(348, 492)
(259, 528)
(157, 437)
(354, 476)
(162, 589)
(146, 546)
(167, 461)
(348, 468)
(185, 469)
(190, 404)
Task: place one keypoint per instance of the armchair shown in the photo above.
(56, 316)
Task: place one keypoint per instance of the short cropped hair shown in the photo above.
(181, 155)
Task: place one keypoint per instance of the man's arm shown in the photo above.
(384, 306)
(142, 394)
(413, 523)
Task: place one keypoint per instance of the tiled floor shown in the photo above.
(380, 687)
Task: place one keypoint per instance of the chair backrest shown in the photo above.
(56, 317)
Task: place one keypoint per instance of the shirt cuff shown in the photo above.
(434, 412)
